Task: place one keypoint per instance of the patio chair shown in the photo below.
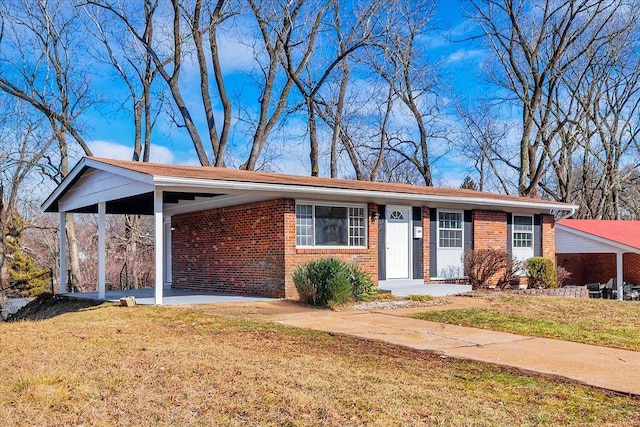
(609, 290)
(595, 291)
(630, 294)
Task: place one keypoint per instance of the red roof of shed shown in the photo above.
(619, 231)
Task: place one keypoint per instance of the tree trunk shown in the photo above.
(77, 278)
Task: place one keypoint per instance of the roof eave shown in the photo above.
(87, 162)
(373, 194)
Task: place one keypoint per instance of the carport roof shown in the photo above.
(620, 232)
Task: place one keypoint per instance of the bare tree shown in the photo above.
(22, 146)
(535, 43)
(483, 141)
(414, 82)
(41, 69)
(201, 20)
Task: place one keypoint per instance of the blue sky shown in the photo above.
(110, 130)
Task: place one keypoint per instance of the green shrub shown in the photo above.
(307, 291)
(420, 298)
(362, 287)
(541, 273)
(338, 289)
(331, 282)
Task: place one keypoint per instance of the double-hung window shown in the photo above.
(450, 229)
(330, 225)
(522, 231)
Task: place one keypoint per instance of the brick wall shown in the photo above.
(565, 291)
(548, 237)
(489, 230)
(251, 249)
(238, 249)
(599, 267)
(366, 258)
(631, 268)
(588, 268)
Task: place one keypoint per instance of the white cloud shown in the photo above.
(113, 150)
(464, 55)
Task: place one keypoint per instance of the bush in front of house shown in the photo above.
(362, 287)
(481, 265)
(541, 273)
(331, 282)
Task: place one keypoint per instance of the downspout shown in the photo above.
(559, 215)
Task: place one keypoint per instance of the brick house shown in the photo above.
(595, 250)
(244, 232)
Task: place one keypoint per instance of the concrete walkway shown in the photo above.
(607, 368)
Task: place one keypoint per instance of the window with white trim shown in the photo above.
(522, 231)
(450, 229)
(330, 225)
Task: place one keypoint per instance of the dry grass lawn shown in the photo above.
(602, 322)
(170, 366)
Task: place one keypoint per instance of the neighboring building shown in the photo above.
(245, 232)
(595, 250)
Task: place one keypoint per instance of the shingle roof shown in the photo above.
(618, 231)
(227, 174)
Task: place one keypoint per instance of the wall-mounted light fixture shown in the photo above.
(374, 215)
(173, 227)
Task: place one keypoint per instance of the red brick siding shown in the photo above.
(548, 237)
(237, 249)
(251, 249)
(631, 268)
(489, 230)
(366, 258)
(587, 268)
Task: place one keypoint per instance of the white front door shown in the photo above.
(397, 238)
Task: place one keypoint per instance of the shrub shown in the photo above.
(511, 274)
(362, 287)
(307, 291)
(481, 265)
(420, 298)
(331, 282)
(338, 289)
(541, 273)
(563, 276)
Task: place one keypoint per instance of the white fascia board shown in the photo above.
(327, 192)
(91, 163)
(618, 245)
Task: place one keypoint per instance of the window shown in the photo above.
(522, 231)
(450, 229)
(304, 225)
(325, 225)
(396, 215)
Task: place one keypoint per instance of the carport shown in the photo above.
(599, 250)
(101, 187)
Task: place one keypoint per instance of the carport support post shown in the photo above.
(101, 249)
(62, 281)
(158, 245)
(619, 275)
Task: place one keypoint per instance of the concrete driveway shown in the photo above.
(606, 368)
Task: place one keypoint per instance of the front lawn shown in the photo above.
(601, 322)
(168, 366)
